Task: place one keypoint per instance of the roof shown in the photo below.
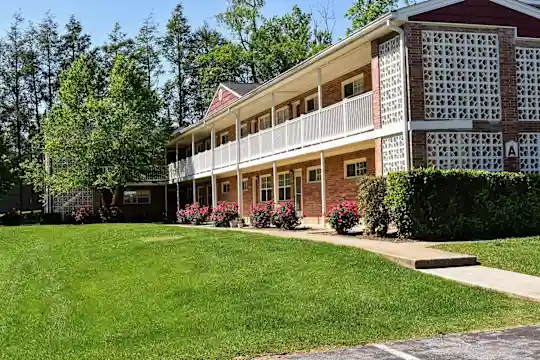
(240, 89)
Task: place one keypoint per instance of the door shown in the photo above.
(298, 191)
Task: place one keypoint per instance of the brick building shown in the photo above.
(451, 84)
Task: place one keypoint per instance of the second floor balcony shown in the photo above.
(346, 118)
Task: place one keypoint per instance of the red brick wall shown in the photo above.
(483, 12)
(227, 98)
(337, 187)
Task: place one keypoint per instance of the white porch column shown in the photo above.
(193, 154)
(323, 186)
(213, 176)
(238, 174)
(275, 183)
(273, 116)
(319, 87)
(177, 180)
(319, 100)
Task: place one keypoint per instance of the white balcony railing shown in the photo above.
(349, 117)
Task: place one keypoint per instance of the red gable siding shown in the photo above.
(483, 12)
(227, 98)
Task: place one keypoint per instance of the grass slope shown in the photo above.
(132, 292)
(520, 255)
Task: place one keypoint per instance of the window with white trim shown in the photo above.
(312, 103)
(201, 195)
(353, 86)
(245, 185)
(243, 130)
(200, 147)
(138, 197)
(224, 138)
(225, 187)
(265, 122)
(314, 174)
(282, 115)
(284, 186)
(355, 168)
(266, 188)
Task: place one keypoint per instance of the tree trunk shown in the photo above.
(118, 197)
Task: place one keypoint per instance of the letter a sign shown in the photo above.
(511, 149)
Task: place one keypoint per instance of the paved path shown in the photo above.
(513, 344)
(522, 285)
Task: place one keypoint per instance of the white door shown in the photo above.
(298, 191)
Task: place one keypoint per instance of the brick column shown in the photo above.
(418, 149)
(509, 107)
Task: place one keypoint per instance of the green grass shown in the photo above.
(107, 292)
(520, 255)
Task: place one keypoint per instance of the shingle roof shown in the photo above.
(240, 89)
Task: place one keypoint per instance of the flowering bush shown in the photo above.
(81, 215)
(196, 214)
(285, 217)
(261, 214)
(224, 213)
(343, 216)
(111, 214)
(181, 216)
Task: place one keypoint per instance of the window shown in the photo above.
(284, 186)
(245, 185)
(355, 168)
(265, 122)
(266, 188)
(314, 174)
(353, 87)
(224, 138)
(312, 103)
(138, 197)
(200, 147)
(201, 195)
(244, 130)
(225, 187)
(282, 115)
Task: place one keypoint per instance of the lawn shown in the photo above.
(163, 292)
(520, 255)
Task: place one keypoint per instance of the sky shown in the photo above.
(99, 16)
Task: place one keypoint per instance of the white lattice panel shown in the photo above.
(465, 150)
(75, 199)
(393, 154)
(391, 82)
(529, 152)
(461, 76)
(528, 83)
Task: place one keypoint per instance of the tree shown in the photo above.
(6, 175)
(74, 43)
(148, 52)
(32, 77)
(14, 109)
(212, 59)
(118, 44)
(242, 18)
(364, 11)
(284, 41)
(175, 47)
(102, 142)
(49, 57)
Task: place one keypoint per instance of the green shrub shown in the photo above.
(374, 213)
(433, 204)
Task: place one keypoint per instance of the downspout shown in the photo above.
(402, 49)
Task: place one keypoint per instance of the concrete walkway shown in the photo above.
(525, 286)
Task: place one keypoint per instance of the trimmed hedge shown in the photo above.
(374, 213)
(432, 204)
